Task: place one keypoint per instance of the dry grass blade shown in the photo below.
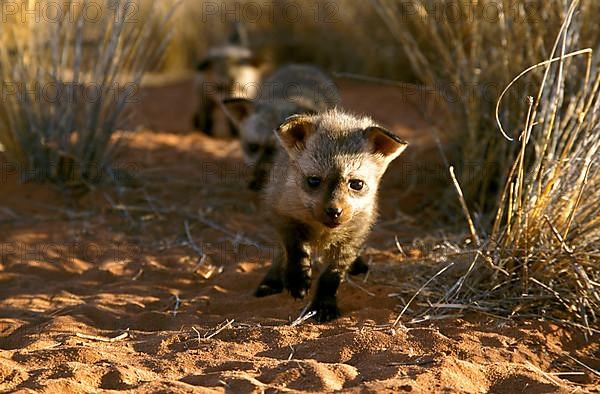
(465, 209)
(227, 324)
(119, 337)
(304, 316)
(418, 292)
(587, 51)
(587, 367)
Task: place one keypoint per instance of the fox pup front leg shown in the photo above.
(324, 304)
(298, 269)
(358, 267)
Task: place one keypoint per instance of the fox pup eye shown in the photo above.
(252, 148)
(356, 184)
(313, 181)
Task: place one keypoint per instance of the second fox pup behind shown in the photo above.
(323, 196)
(293, 89)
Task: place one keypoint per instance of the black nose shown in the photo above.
(333, 213)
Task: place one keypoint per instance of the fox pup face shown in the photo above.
(336, 163)
(224, 66)
(256, 122)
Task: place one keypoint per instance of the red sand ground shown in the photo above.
(104, 268)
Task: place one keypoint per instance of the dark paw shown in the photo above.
(269, 287)
(358, 267)
(297, 282)
(325, 311)
(255, 185)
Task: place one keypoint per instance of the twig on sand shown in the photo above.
(177, 304)
(54, 345)
(548, 376)
(590, 369)
(303, 317)
(224, 325)
(359, 287)
(432, 318)
(199, 251)
(465, 209)
(236, 237)
(197, 333)
(419, 361)
(418, 292)
(291, 353)
(139, 273)
(193, 244)
(574, 373)
(399, 246)
(103, 339)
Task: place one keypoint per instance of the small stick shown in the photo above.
(197, 333)
(563, 244)
(177, 303)
(102, 339)
(418, 292)
(592, 370)
(236, 236)
(419, 361)
(533, 368)
(566, 373)
(359, 287)
(137, 276)
(191, 242)
(303, 317)
(399, 246)
(224, 383)
(465, 209)
(431, 318)
(57, 344)
(291, 354)
(223, 327)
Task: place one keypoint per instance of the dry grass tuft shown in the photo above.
(67, 83)
(542, 255)
(469, 51)
(547, 227)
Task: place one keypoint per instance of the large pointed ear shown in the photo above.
(237, 109)
(385, 143)
(294, 132)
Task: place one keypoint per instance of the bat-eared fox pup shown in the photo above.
(291, 90)
(228, 70)
(322, 194)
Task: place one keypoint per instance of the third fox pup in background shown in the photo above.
(323, 197)
(293, 89)
(228, 70)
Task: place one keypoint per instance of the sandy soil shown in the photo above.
(120, 264)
